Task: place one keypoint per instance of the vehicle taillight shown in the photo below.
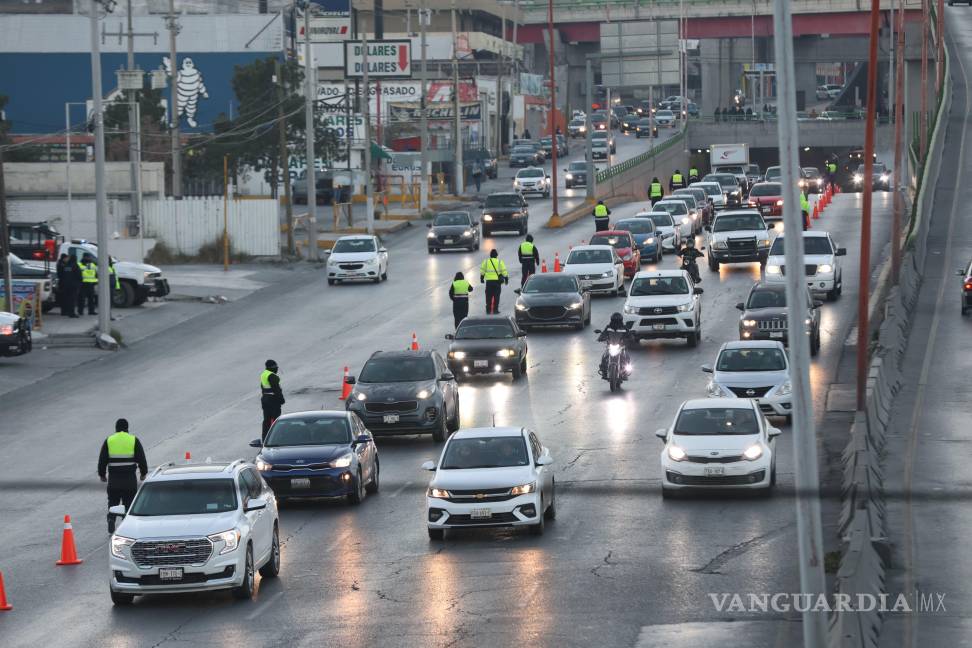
(968, 285)
(40, 255)
(49, 245)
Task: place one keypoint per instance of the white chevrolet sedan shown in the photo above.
(718, 443)
(598, 268)
(490, 477)
(359, 257)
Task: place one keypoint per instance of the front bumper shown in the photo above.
(493, 365)
(364, 273)
(452, 243)
(419, 421)
(219, 572)
(157, 288)
(330, 482)
(535, 189)
(678, 475)
(729, 256)
(569, 317)
(647, 327)
(504, 223)
(510, 512)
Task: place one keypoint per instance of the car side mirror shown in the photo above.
(699, 291)
(256, 443)
(382, 250)
(740, 306)
(361, 439)
(255, 504)
(544, 460)
(817, 304)
(707, 368)
(773, 432)
(516, 291)
(429, 465)
(350, 380)
(447, 375)
(662, 434)
(429, 225)
(770, 225)
(520, 334)
(450, 336)
(117, 510)
(598, 331)
(841, 252)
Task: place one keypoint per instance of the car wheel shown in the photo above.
(453, 425)
(713, 264)
(551, 512)
(384, 275)
(330, 282)
(357, 496)
(815, 344)
(538, 528)
(694, 338)
(120, 598)
(431, 250)
(272, 568)
(440, 433)
(373, 485)
(832, 294)
(124, 297)
(669, 493)
(517, 372)
(789, 419)
(245, 589)
(436, 534)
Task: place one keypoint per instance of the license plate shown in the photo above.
(356, 274)
(390, 418)
(170, 573)
(766, 210)
(715, 471)
(480, 514)
(448, 240)
(300, 483)
(480, 363)
(659, 327)
(777, 336)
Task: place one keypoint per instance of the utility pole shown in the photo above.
(515, 67)
(940, 38)
(589, 136)
(809, 530)
(424, 176)
(104, 286)
(554, 216)
(133, 129)
(899, 120)
(310, 167)
(369, 199)
(499, 85)
(225, 213)
(173, 26)
(5, 238)
(923, 115)
(284, 157)
(459, 180)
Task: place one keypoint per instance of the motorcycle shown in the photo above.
(690, 265)
(618, 366)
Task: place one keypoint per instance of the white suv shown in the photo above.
(195, 527)
(664, 304)
(823, 269)
(737, 236)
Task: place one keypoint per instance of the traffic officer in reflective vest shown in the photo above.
(121, 454)
(693, 174)
(271, 398)
(113, 276)
(493, 273)
(832, 172)
(89, 285)
(529, 258)
(459, 294)
(656, 192)
(677, 181)
(602, 220)
(805, 210)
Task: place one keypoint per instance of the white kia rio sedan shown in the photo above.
(490, 477)
(718, 443)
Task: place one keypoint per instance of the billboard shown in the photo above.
(330, 21)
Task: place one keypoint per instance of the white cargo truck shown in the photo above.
(731, 158)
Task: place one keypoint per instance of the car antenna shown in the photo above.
(494, 419)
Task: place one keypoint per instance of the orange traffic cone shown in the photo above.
(4, 606)
(816, 210)
(556, 261)
(69, 555)
(414, 346)
(345, 386)
(188, 456)
(543, 266)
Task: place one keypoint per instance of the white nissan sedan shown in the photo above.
(718, 443)
(359, 257)
(490, 477)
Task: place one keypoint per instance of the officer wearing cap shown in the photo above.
(271, 398)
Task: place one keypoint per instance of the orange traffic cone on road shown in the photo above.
(188, 456)
(816, 210)
(414, 346)
(69, 555)
(543, 266)
(4, 606)
(345, 386)
(556, 261)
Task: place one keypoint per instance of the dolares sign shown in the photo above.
(386, 58)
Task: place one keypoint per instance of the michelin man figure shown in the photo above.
(189, 88)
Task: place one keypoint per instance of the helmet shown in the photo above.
(690, 241)
(617, 319)
(271, 365)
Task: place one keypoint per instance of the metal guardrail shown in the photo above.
(621, 167)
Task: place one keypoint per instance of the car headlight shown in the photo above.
(569, 176)
(753, 203)
(772, 269)
(487, 218)
(505, 353)
(262, 465)
(431, 234)
(343, 461)
(713, 389)
(764, 243)
(749, 323)
(457, 355)
(614, 349)
(230, 540)
(802, 183)
(119, 544)
(575, 305)
(825, 268)
(753, 452)
(650, 240)
(630, 310)
(686, 307)
(785, 389)
(819, 181)
(425, 393)
(884, 177)
(524, 489)
(607, 274)
(675, 453)
(779, 203)
(720, 245)
(857, 178)
(438, 493)
(361, 396)
(147, 277)
(807, 321)
(686, 220)
(467, 233)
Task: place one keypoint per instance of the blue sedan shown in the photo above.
(645, 237)
(319, 454)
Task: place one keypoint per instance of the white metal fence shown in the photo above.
(188, 224)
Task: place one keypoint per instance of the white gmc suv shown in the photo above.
(195, 527)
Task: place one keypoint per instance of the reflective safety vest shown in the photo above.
(804, 203)
(265, 387)
(693, 173)
(526, 248)
(461, 288)
(121, 450)
(831, 167)
(89, 272)
(111, 271)
(676, 178)
(600, 211)
(656, 190)
(491, 269)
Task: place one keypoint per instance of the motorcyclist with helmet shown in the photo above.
(618, 332)
(689, 254)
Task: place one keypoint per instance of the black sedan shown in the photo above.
(524, 156)
(319, 454)
(643, 128)
(488, 344)
(453, 230)
(554, 299)
(576, 174)
(15, 338)
(765, 315)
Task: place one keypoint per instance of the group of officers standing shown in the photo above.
(77, 284)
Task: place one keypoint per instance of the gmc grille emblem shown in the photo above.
(168, 548)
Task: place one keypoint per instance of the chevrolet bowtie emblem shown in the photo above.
(480, 495)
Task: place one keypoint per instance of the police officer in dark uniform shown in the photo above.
(693, 174)
(459, 295)
(493, 273)
(271, 397)
(89, 285)
(529, 258)
(655, 191)
(677, 181)
(602, 217)
(121, 454)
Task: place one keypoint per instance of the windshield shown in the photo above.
(452, 218)
(741, 222)
(185, 497)
(354, 245)
(676, 208)
(773, 172)
(637, 226)
(549, 284)
(727, 181)
(697, 194)
(523, 150)
(688, 199)
(397, 369)
(649, 286)
(768, 359)
(484, 330)
(530, 173)
(753, 169)
(812, 172)
(614, 240)
(577, 166)
(589, 256)
(661, 220)
(767, 298)
(503, 200)
(644, 122)
(577, 122)
(716, 421)
(712, 188)
(309, 431)
(485, 452)
(767, 189)
(730, 169)
(811, 245)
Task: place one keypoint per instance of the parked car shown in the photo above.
(138, 281)
(823, 268)
(453, 230)
(764, 315)
(755, 369)
(505, 210)
(34, 242)
(553, 299)
(487, 344)
(15, 335)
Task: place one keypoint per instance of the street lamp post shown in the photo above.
(104, 287)
(554, 216)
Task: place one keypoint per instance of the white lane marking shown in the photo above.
(399, 490)
(263, 606)
(851, 337)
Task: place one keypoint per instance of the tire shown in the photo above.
(538, 528)
(669, 493)
(357, 496)
(431, 250)
(372, 487)
(453, 425)
(789, 419)
(693, 339)
(551, 512)
(384, 275)
(330, 282)
(123, 298)
(485, 232)
(517, 371)
(245, 589)
(442, 432)
(436, 534)
(713, 264)
(272, 567)
(815, 344)
(120, 598)
(773, 474)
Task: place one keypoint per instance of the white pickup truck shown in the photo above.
(139, 281)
